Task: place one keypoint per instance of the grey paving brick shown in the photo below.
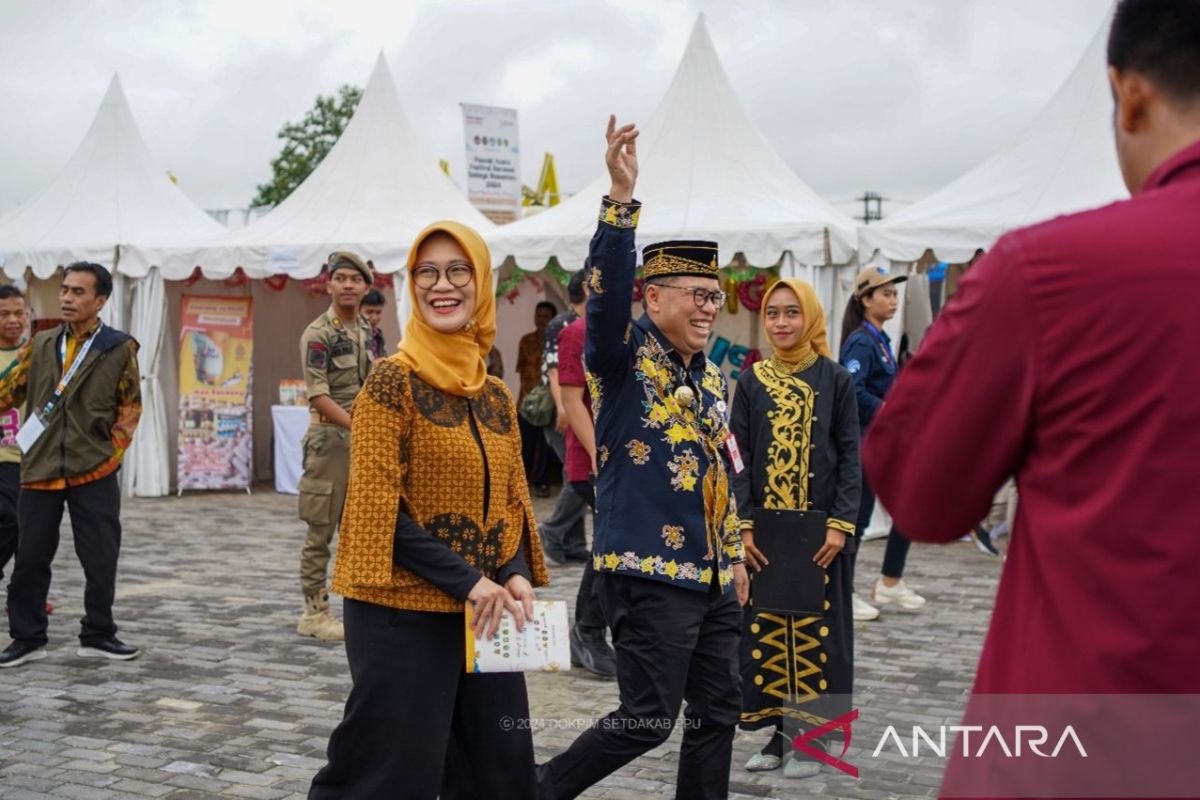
(228, 701)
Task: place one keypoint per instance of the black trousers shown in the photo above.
(895, 554)
(535, 453)
(418, 726)
(10, 489)
(589, 616)
(96, 525)
(672, 645)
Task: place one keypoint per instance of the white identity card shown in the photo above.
(30, 432)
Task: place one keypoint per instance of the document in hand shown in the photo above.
(792, 583)
(543, 646)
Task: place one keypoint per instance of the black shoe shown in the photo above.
(592, 653)
(112, 647)
(542, 490)
(18, 653)
(578, 556)
(554, 554)
(983, 540)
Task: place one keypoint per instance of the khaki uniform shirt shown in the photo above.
(336, 358)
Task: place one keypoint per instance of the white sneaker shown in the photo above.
(862, 610)
(899, 595)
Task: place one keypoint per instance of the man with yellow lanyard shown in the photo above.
(82, 385)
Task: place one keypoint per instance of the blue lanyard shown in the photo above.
(877, 335)
(75, 364)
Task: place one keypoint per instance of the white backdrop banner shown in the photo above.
(493, 161)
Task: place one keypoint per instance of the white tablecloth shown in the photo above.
(290, 424)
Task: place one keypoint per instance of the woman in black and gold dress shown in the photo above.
(796, 424)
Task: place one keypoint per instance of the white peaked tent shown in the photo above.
(109, 193)
(374, 191)
(705, 173)
(1065, 161)
(112, 192)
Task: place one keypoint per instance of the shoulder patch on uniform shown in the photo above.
(317, 355)
(853, 365)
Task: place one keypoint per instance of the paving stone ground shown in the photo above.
(228, 702)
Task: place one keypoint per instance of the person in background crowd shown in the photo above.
(668, 546)
(867, 354)
(14, 319)
(589, 648)
(495, 363)
(529, 368)
(81, 386)
(372, 308)
(564, 535)
(335, 350)
(795, 417)
(447, 523)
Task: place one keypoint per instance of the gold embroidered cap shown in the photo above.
(669, 259)
(344, 259)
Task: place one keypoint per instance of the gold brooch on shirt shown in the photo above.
(685, 396)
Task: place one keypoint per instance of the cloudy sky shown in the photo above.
(894, 96)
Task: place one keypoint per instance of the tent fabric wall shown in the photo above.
(110, 192)
(373, 193)
(145, 472)
(1063, 162)
(697, 180)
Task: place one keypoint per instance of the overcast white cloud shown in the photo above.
(896, 96)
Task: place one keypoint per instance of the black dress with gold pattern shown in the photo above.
(797, 429)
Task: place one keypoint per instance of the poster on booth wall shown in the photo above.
(215, 380)
(493, 161)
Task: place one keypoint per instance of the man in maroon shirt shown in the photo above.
(1068, 359)
(589, 648)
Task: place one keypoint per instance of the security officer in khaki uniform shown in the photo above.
(336, 352)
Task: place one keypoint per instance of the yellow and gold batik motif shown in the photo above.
(788, 651)
(638, 451)
(673, 536)
(686, 471)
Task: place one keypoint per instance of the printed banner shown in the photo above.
(493, 161)
(215, 380)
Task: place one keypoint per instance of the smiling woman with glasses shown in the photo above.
(438, 517)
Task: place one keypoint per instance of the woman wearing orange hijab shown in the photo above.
(437, 516)
(796, 424)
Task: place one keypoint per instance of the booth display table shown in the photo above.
(290, 423)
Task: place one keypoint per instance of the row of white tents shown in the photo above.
(378, 187)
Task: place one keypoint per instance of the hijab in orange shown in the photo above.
(455, 363)
(812, 338)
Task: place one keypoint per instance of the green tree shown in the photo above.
(306, 143)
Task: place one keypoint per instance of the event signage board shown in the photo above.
(215, 405)
(493, 161)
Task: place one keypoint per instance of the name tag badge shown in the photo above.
(735, 455)
(29, 433)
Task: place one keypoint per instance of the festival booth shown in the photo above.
(110, 192)
(1064, 161)
(705, 172)
(374, 191)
